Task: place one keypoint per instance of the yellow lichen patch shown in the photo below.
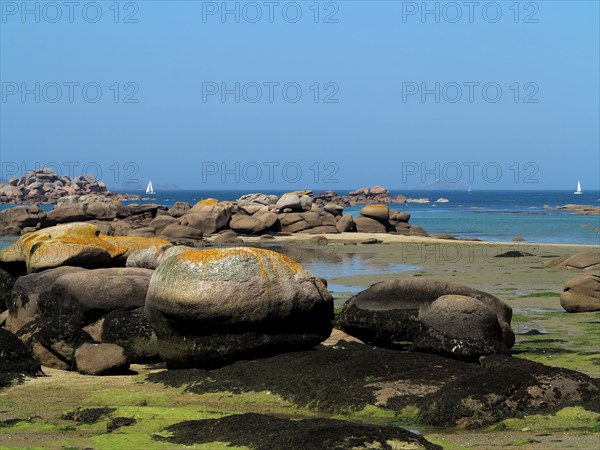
(379, 206)
(262, 257)
(126, 245)
(208, 202)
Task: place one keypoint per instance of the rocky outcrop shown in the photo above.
(588, 261)
(45, 186)
(586, 210)
(582, 293)
(387, 313)
(212, 307)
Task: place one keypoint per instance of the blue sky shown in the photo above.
(360, 120)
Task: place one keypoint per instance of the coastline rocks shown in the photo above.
(582, 293)
(20, 217)
(583, 261)
(387, 313)
(100, 359)
(376, 194)
(459, 327)
(262, 199)
(586, 210)
(212, 307)
(85, 296)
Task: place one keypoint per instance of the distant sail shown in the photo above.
(150, 189)
(578, 191)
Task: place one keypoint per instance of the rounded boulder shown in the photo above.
(212, 307)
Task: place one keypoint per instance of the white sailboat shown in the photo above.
(578, 191)
(150, 189)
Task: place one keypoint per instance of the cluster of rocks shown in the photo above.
(199, 308)
(375, 194)
(429, 316)
(253, 214)
(585, 210)
(45, 186)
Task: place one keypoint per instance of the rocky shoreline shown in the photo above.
(252, 214)
(44, 186)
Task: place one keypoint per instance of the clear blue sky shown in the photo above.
(379, 132)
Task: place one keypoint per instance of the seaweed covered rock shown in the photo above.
(387, 313)
(7, 281)
(130, 330)
(582, 293)
(440, 391)
(54, 341)
(85, 296)
(23, 302)
(263, 432)
(212, 307)
(16, 359)
(459, 327)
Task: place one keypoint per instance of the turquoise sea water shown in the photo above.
(486, 215)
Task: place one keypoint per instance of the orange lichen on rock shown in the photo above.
(126, 245)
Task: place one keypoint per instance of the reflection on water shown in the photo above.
(326, 261)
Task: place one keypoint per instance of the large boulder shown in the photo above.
(289, 200)
(296, 222)
(212, 307)
(241, 223)
(345, 224)
(582, 293)
(208, 216)
(583, 261)
(387, 313)
(159, 223)
(369, 225)
(378, 212)
(100, 359)
(176, 232)
(23, 301)
(459, 327)
(86, 296)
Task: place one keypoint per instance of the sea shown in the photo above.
(490, 215)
